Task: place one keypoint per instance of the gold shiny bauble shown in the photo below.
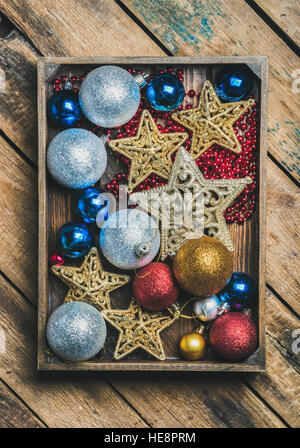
(202, 266)
(192, 346)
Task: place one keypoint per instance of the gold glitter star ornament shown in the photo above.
(89, 282)
(190, 205)
(139, 329)
(212, 121)
(149, 150)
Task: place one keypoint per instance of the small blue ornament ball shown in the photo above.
(76, 331)
(89, 202)
(240, 291)
(76, 158)
(165, 92)
(130, 239)
(74, 240)
(63, 108)
(234, 83)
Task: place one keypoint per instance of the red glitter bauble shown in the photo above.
(154, 287)
(233, 336)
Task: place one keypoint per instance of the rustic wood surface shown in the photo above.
(29, 399)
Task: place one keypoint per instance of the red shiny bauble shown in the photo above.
(233, 336)
(154, 287)
(56, 259)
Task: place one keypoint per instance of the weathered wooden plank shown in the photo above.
(285, 14)
(13, 413)
(231, 27)
(185, 400)
(18, 114)
(283, 236)
(283, 363)
(89, 28)
(18, 224)
(64, 400)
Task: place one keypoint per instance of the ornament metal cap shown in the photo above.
(200, 330)
(174, 309)
(142, 249)
(67, 85)
(140, 79)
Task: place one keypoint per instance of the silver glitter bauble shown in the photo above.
(76, 331)
(130, 239)
(76, 158)
(209, 308)
(109, 96)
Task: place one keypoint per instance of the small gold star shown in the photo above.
(89, 282)
(190, 205)
(212, 121)
(138, 328)
(149, 150)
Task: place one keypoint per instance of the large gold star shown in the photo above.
(212, 121)
(190, 205)
(149, 150)
(89, 282)
(138, 328)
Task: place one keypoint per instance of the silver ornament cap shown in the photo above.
(76, 158)
(109, 96)
(130, 239)
(76, 331)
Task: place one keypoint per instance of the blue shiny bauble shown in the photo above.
(165, 92)
(76, 331)
(64, 109)
(240, 291)
(74, 240)
(89, 202)
(233, 83)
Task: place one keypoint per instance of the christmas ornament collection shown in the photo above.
(207, 150)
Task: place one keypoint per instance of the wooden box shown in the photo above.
(55, 209)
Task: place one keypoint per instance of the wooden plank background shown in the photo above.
(145, 28)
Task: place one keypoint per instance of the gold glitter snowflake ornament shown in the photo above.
(190, 205)
(212, 121)
(149, 150)
(139, 329)
(89, 282)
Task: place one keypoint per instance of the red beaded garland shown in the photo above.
(56, 259)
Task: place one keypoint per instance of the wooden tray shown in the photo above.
(55, 209)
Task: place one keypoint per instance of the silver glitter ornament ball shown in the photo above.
(76, 331)
(76, 158)
(109, 96)
(210, 308)
(130, 239)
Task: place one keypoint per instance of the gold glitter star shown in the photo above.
(89, 282)
(190, 205)
(139, 328)
(149, 150)
(211, 122)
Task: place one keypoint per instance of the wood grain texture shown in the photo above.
(285, 13)
(18, 114)
(283, 363)
(61, 401)
(87, 28)
(231, 27)
(13, 413)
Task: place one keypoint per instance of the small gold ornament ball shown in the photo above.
(202, 266)
(192, 346)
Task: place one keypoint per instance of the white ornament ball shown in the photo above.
(130, 239)
(109, 96)
(76, 158)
